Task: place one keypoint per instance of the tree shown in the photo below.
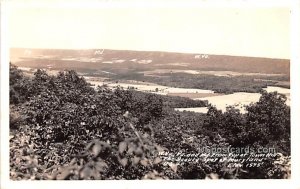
(268, 121)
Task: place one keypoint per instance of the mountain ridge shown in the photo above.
(150, 59)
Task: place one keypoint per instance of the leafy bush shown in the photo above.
(18, 91)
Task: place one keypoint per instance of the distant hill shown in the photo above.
(144, 60)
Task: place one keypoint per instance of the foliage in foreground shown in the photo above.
(61, 128)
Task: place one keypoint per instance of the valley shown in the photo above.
(220, 80)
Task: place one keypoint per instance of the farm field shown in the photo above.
(239, 100)
(194, 95)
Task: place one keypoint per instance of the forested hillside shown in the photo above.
(61, 128)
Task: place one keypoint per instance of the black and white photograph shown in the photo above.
(141, 90)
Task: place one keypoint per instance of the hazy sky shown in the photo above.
(260, 32)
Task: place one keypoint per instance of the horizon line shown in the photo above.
(246, 56)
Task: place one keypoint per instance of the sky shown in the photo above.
(240, 31)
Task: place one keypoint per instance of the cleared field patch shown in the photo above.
(150, 87)
(174, 64)
(194, 95)
(278, 89)
(233, 74)
(168, 71)
(214, 73)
